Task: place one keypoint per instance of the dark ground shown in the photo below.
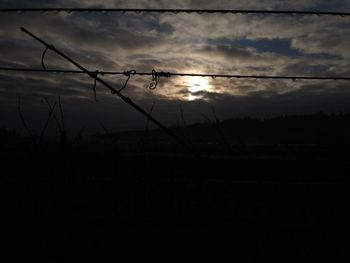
(279, 202)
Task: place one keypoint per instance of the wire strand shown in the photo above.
(173, 74)
(126, 99)
(175, 11)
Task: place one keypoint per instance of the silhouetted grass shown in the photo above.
(273, 194)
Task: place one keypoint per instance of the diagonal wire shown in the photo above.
(127, 100)
(175, 11)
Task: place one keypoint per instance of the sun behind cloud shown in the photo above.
(196, 84)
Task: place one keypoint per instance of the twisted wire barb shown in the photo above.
(128, 74)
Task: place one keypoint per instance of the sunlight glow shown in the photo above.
(196, 84)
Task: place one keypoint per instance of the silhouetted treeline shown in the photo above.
(315, 129)
(138, 193)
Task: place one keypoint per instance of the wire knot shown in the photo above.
(129, 74)
(156, 78)
(50, 46)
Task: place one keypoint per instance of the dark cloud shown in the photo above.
(243, 55)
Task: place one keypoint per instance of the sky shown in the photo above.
(186, 43)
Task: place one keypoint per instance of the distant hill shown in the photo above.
(315, 129)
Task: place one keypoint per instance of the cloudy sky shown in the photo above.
(190, 43)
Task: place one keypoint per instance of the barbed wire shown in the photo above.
(127, 100)
(156, 74)
(175, 11)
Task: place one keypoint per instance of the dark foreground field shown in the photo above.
(174, 205)
(284, 202)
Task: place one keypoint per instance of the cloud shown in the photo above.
(199, 43)
(241, 56)
(331, 40)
